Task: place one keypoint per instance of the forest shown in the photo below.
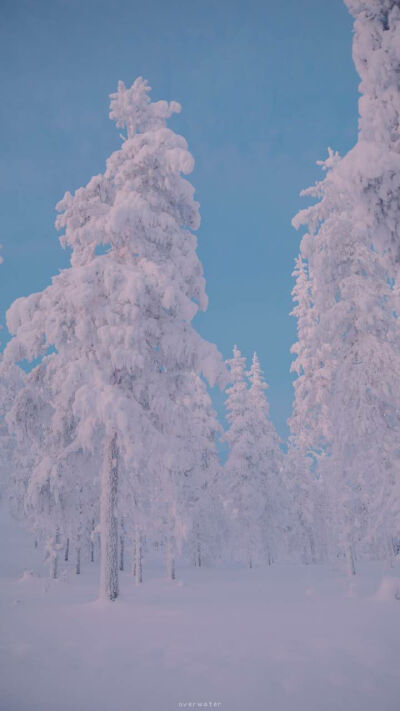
(113, 455)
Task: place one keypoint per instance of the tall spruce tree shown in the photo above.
(119, 321)
(310, 425)
(351, 252)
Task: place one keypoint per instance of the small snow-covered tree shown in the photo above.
(266, 460)
(120, 317)
(203, 504)
(252, 496)
(187, 513)
(236, 494)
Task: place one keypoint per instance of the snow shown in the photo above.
(288, 637)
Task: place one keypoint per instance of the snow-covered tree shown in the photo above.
(352, 369)
(187, 509)
(266, 460)
(346, 415)
(13, 472)
(119, 320)
(202, 498)
(375, 160)
(58, 502)
(309, 422)
(252, 495)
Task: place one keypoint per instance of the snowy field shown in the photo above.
(288, 638)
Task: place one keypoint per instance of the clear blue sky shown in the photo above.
(265, 87)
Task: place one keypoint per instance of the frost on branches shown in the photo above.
(120, 362)
(374, 163)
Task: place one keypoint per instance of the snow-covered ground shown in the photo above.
(289, 638)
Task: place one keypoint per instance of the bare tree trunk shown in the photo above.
(92, 543)
(309, 555)
(198, 551)
(66, 555)
(351, 566)
(138, 557)
(390, 551)
(269, 555)
(78, 556)
(109, 523)
(121, 552)
(312, 546)
(54, 565)
(170, 561)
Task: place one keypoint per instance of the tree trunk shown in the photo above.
(54, 565)
(66, 555)
(198, 552)
(390, 551)
(138, 557)
(312, 546)
(351, 566)
(170, 561)
(121, 552)
(92, 543)
(269, 556)
(78, 556)
(109, 523)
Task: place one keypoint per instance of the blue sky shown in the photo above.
(265, 87)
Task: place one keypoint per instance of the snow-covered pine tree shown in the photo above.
(309, 422)
(13, 472)
(203, 477)
(241, 490)
(345, 413)
(343, 277)
(267, 461)
(375, 162)
(356, 337)
(252, 497)
(59, 503)
(120, 317)
(188, 511)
